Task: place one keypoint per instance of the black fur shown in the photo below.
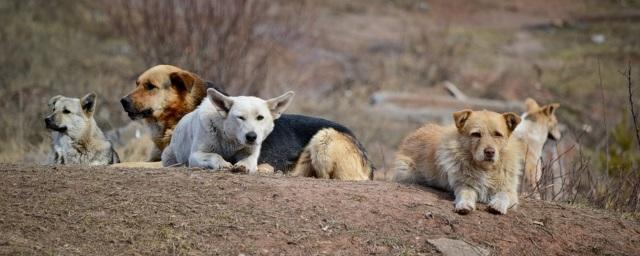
(290, 135)
(219, 88)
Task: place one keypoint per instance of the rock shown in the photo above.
(451, 247)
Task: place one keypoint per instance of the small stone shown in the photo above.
(428, 215)
(451, 247)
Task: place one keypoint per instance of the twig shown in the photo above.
(633, 112)
(604, 117)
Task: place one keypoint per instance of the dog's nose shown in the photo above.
(489, 153)
(251, 137)
(126, 102)
(47, 121)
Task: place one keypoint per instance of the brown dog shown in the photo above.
(162, 96)
(477, 159)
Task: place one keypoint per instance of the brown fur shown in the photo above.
(175, 93)
(454, 158)
(333, 155)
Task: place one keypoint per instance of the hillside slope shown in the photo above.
(81, 210)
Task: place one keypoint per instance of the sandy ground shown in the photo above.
(109, 211)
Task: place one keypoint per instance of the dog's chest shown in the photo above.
(65, 153)
(225, 147)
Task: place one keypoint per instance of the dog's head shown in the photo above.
(484, 133)
(71, 116)
(543, 117)
(249, 120)
(158, 89)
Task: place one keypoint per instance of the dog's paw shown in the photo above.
(248, 167)
(217, 166)
(238, 169)
(499, 205)
(464, 207)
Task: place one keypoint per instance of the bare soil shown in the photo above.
(109, 211)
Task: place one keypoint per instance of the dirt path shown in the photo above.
(106, 211)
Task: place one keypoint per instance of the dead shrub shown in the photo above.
(230, 42)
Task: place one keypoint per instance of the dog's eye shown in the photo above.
(497, 134)
(240, 117)
(260, 118)
(476, 134)
(149, 86)
(66, 111)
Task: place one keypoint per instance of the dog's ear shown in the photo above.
(550, 109)
(182, 81)
(555, 134)
(531, 105)
(279, 104)
(461, 117)
(220, 101)
(512, 120)
(88, 103)
(53, 100)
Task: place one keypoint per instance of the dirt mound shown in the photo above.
(81, 210)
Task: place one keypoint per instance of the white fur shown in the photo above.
(215, 134)
(81, 141)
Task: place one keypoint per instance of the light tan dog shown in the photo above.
(476, 158)
(538, 124)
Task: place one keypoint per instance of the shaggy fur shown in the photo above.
(538, 124)
(224, 131)
(476, 158)
(77, 139)
(334, 155)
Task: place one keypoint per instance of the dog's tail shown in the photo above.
(403, 169)
(336, 155)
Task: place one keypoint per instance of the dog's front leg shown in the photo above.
(207, 160)
(465, 200)
(251, 161)
(502, 201)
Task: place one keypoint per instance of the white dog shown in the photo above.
(224, 130)
(77, 139)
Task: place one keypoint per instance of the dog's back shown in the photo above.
(295, 134)
(416, 157)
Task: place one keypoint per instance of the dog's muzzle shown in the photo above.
(251, 137)
(52, 126)
(489, 155)
(132, 112)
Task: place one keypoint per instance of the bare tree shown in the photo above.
(229, 42)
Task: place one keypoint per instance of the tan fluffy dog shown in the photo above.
(476, 158)
(538, 124)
